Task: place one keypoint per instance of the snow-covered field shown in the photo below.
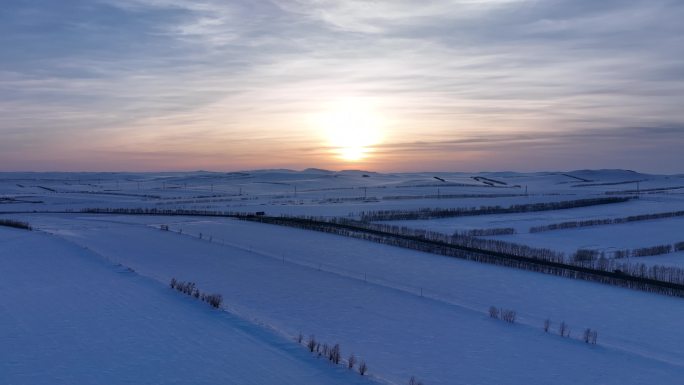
(70, 316)
(73, 312)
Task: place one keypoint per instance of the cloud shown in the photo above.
(166, 73)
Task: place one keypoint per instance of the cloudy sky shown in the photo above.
(460, 85)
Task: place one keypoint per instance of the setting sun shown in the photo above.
(351, 128)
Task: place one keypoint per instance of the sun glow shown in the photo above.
(351, 129)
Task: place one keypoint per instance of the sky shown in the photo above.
(383, 85)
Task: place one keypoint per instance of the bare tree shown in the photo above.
(547, 325)
(493, 312)
(508, 315)
(563, 329)
(351, 361)
(363, 368)
(311, 344)
(593, 337)
(335, 355)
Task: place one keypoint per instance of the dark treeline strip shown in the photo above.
(18, 200)
(644, 191)
(447, 184)
(491, 181)
(333, 189)
(649, 251)
(149, 196)
(450, 196)
(142, 211)
(653, 250)
(15, 224)
(658, 279)
(578, 178)
(232, 198)
(349, 199)
(608, 183)
(488, 232)
(156, 211)
(431, 213)
(604, 221)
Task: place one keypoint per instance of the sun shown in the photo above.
(351, 129)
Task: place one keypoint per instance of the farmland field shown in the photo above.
(83, 282)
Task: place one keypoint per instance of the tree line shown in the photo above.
(156, 211)
(432, 213)
(16, 224)
(604, 221)
(667, 280)
(487, 232)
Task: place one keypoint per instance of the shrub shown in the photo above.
(311, 344)
(363, 368)
(334, 354)
(351, 361)
(493, 312)
(590, 336)
(189, 288)
(215, 300)
(508, 315)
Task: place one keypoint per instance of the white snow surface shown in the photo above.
(73, 312)
(70, 316)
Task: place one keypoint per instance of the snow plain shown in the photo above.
(404, 312)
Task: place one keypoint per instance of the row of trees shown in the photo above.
(449, 196)
(588, 336)
(648, 251)
(660, 279)
(190, 288)
(156, 211)
(487, 232)
(431, 213)
(204, 199)
(504, 314)
(333, 354)
(588, 257)
(608, 183)
(645, 190)
(16, 224)
(604, 221)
